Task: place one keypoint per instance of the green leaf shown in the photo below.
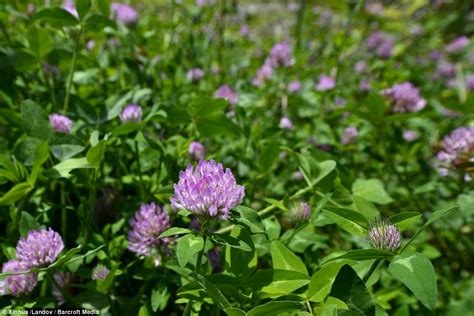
(15, 193)
(249, 218)
(174, 231)
(466, 203)
(56, 17)
(234, 311)
(303, 164)
(241, 262)
(372, 190)
(159, 297)
(321, 282)
(95, 22)
(82, 7)
(231, 242)
(350, 289)
(349, 220)
(206, 107)
(217, 297)
(96, 154)
(41, 155)
(126, 128)
(64, 258)
(284, 259)
(64, 168)
(405, 219)
(34, 120)
(65, 151)
(278, 282)
(275, 308)
(27, 223)
(417, 273)
(434, 217)
(276, 203)
(104, 7)
(325, 168)
(188, 246)
(363, 254)
(268, 155)
(40, 41)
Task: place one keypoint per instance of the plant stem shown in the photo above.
(308, 306)
(140, 177)
(295, 231)
(299, 23)
(71, 71)
(372, 269)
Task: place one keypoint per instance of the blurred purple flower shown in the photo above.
(300, 212)
(410, 135)
(470, 82)
(361, 66)
(215, 260)
(340, 102)
(100, 272)
(51, 70)
(297, 176)
(40, 247)
(60, 123)
(62, 279)
(457, 45)
(286, 123)
(294, 86)
(435, 55)
(457, 148)
(445, 69)
(381, 43)
(147, 225)
(404, 97)
(202, 3)
(364, 85)
(383, 235)
(281, 56)
(349, 136)
(226, 92)
(131, 113)
(90, 44)
(374, 8)
(325, 83)
(244, 30)
(124, 13)
(69, 6)
(207, 190)
(265, 72)
(20, 283)
(196, 150)
(195, 74)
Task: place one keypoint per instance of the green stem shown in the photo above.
(295, 231)
(308, 306)
(299, 23)
(140, 177)
(372, 269)
(71, 71)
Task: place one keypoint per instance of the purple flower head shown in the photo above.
(124, 13)
(404, 97)
(20, 283)
(381, 43)
(410, 135)
(131, 113)
(300, 212)
(60, 123)
(51, 70)
(281, 56)
(435, 55)
(383, 235)
(349, 136)
(470, 82)
(325, 83)
(374, 8)
(90, 44)
(215, 260)
(297, 176)
(294, 86)
(361, 66)
(196, 150)
(457, 45)
(457, 148)
(226, 92)
(244, 30)
(40, 247)
(445, 69)
(69, 6)
(147, 225)
(100, 272)
(340, 102)
(202, 3)
(195, 74)
(364, 86)
(207, 190)
(264, 73)
(286, 123)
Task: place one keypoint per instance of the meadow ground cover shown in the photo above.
(237, 157)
